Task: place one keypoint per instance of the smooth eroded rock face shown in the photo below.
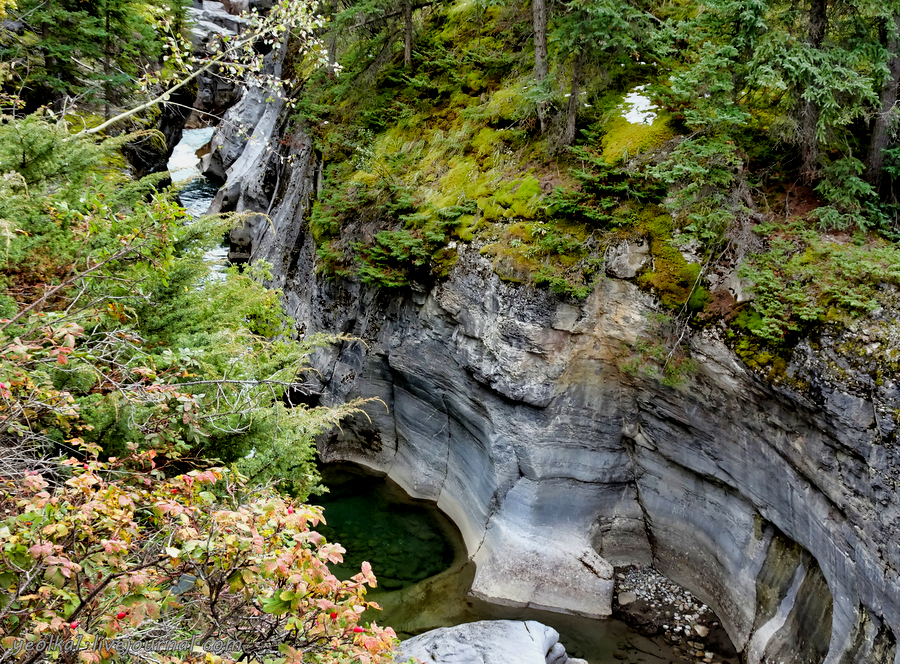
(514, 412)
(488, 642)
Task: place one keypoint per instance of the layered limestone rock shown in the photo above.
(243, 152)
(515, 413)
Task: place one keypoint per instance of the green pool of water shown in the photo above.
(405, 541)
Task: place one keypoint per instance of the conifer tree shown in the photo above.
(90, 51)
(598, 32)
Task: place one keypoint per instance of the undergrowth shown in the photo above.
(419, 161)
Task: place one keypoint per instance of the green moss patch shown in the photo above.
(623, 139)
(673, 279)
(561, 256)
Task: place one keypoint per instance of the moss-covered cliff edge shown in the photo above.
(664, 151)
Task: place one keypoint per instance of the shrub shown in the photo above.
(117, 560)
(802, 276)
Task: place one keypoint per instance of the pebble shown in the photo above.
(627, 598)
(683, 613)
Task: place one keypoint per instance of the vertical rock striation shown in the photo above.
(510, 409)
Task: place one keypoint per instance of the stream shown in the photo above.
(197, 191)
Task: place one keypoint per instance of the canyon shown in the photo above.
(526, 418)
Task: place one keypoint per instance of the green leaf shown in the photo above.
(276, 606)
(7, 579)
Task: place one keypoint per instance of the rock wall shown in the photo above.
(510, 409)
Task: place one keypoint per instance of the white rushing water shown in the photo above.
(183, 163)
(196, 192)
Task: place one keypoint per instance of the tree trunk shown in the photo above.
(541, 68)
(881, 129)
(407, 33)
(107, 86)
(332, 42)
(809, 111)
(574, 101)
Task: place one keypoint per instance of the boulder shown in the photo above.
(487, 642)
(626, 598)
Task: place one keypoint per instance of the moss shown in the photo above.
(460, 15)
(475, 81)
(672, 277)
(490, 210)
(364, 178)
(506, 104)
(624, 139)
(754, 351)
(460, 100)
(524, 201)
(516, 199)
(779, 368)
(468, 225)
(549, 254)
(444, 259)
(81, 121)
(511, 263)
(485, 142)
(671, 282)
(521, 231)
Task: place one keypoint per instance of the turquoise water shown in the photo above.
(405, 541)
